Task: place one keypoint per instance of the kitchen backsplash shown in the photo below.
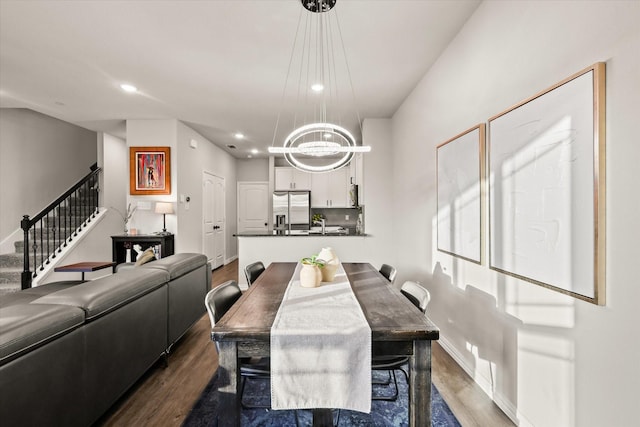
(337, 217)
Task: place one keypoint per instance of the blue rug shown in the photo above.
(383, 413)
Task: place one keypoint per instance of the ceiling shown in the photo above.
(219, 66)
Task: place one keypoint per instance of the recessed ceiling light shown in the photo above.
(254, 151)
(239, 135)
(128, 88)
(318, 87)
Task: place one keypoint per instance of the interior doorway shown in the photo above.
(253, 206)
(213, 197)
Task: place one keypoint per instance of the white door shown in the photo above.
(213, 218)
(253, 206)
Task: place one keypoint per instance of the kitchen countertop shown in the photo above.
(295, 233)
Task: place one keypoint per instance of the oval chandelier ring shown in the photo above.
(316, 146)
(322, 145)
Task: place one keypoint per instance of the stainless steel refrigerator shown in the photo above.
(296, 208)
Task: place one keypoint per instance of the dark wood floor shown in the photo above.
(164, 396)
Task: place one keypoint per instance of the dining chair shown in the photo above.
(253, 271)
(218, 301)
(389, 272)
(420, 297)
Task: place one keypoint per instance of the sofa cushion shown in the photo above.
(179, 264)
(48, 288)
(103, 295)
(15, 298)
(24, 327)
(28, 295)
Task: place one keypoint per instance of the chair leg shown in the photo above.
(394, 396)
(383, 382)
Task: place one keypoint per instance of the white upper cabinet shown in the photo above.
(330, 189)
(288, 179)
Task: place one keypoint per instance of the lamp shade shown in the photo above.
(164, 208)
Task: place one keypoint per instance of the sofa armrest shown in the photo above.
(125, 266)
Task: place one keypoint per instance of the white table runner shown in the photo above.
(320, 348)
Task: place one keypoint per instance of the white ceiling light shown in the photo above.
(239, 135)
(319, 142)
(128, 88)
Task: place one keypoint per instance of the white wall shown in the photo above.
(377, 197)
(154, 133)
(113, 158)
(192, 162)
(187, 166)
(95, 243)
(33, 149)
(548, 359)
(253, 169)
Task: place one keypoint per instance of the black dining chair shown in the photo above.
(218, 301)
(420, 297)
(389, 272)
(253, 271)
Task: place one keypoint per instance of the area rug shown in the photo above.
(383, 414)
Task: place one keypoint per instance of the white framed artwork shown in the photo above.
(459, 191)
(546, 176)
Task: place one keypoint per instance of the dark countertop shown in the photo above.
(294, 233)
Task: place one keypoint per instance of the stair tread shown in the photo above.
(7, 288)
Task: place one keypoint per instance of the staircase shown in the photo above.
(10, 271)
(49, 232)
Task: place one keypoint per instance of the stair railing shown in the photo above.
(57, 224)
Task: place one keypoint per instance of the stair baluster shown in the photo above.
(73, 209)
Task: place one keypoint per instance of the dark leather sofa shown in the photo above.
(69, 350)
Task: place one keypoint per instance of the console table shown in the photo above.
(120, 243)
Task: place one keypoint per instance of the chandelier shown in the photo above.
(320, 141)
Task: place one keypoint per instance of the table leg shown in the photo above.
(420, 384)
(229, 390)
(82, 276)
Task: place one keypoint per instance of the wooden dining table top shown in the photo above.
(391, 316)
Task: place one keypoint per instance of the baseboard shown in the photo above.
(485, 383)
(510, 411)
(230, 260)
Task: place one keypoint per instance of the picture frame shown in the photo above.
(460, 171)
(149, 171)
(546, 174)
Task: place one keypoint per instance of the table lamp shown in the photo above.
(164, 208)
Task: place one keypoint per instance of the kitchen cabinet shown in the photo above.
(289, 178)
(330, 189)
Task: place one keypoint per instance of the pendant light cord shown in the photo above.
(353, 93)
(286, 80)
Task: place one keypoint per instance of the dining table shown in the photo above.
(398, 328)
